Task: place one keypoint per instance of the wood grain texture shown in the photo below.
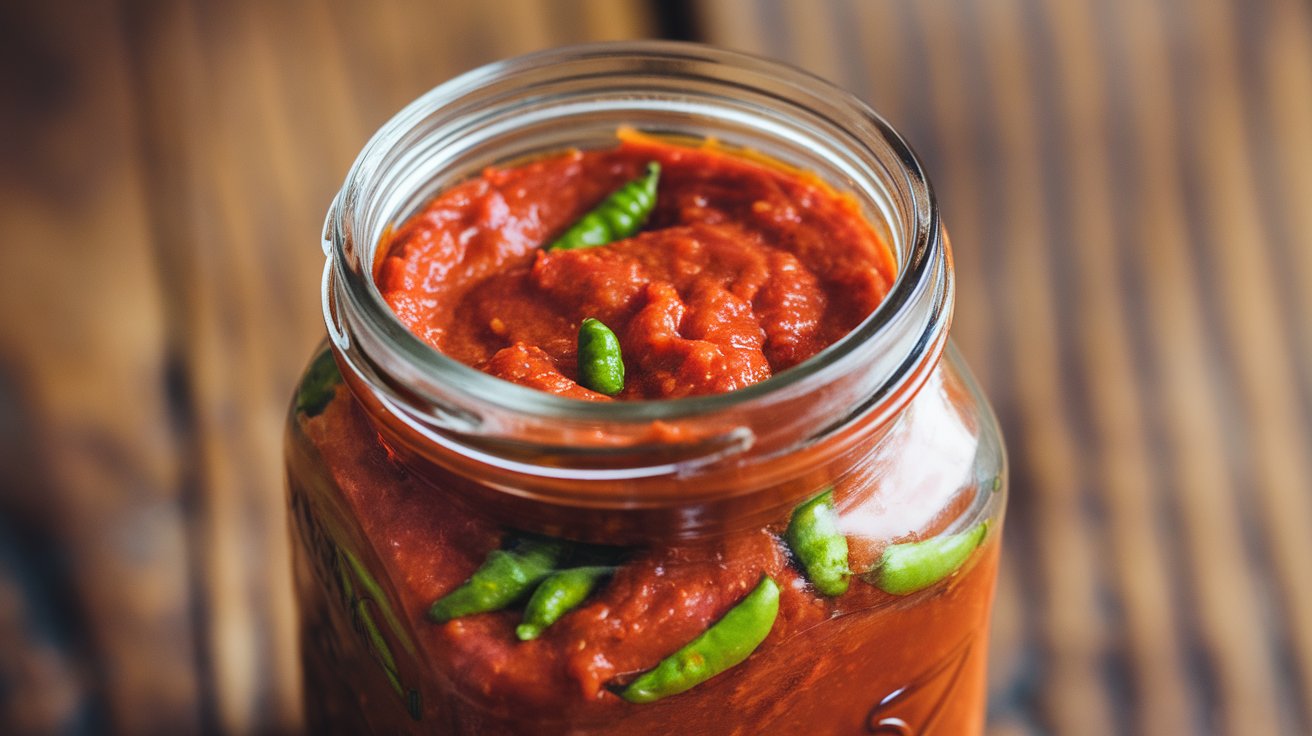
(1127, 184)
(90, 374)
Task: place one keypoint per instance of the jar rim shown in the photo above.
(349, 287)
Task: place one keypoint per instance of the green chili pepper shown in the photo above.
(819, 546)
(505, 577)
(363, 621)
(601, 367)
(913, 566)
(318, 385)
(383, 653)
(619, 215)
(727, 643)
(374, 591)
(366, 624)
(559, 594)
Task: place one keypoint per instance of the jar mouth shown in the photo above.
(668, 83)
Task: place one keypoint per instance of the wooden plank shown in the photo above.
(878, 62)
(959, 176)
(1284, 57)
(811, 28)
(606, 20)
(1049, 469)
(736, 24)
(1114, 399)
(1273, 444)
(1213, 564)
(1284, 41)
(85, 347)
(227, 202)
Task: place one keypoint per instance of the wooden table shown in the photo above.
(1129, 188)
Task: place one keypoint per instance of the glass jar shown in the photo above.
(406, 468)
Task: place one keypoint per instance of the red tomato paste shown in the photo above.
(743, 270)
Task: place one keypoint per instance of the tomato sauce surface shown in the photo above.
(743, 270)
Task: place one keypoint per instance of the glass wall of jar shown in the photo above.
(408, 471)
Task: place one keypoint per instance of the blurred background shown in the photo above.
(1128, 184)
